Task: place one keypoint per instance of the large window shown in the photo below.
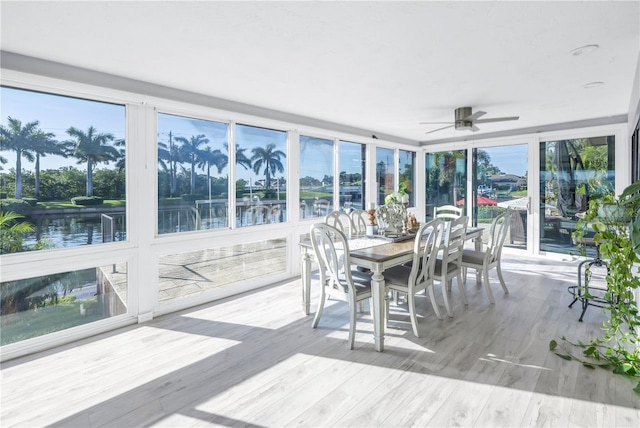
(316, 177)
(352, 169)
(36, 306)
(62, 171)
(407, 174)
(192, 174)
(261, 185)
(446, 176)
(384, 173)
(193, 273)
(571, 173)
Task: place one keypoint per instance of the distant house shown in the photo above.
(508, 182)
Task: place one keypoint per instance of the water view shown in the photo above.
(72, 231)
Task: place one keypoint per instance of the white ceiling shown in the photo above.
(379, 66)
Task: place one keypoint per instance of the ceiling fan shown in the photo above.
(465, 120)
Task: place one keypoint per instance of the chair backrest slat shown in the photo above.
(447, 212)
(359, 220)
(454, 239)
(498, 234)
(425, 251)
(332, 254)
(340, 220)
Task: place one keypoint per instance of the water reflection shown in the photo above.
(71, 231)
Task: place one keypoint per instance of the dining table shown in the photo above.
(376, 254)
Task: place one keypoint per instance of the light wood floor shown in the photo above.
(255, 361)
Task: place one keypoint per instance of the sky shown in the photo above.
(510, 159)
(56, 114)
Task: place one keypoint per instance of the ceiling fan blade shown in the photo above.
(497, 119)
(435, 123)
(474, 128)
(439, 129)
(475, 115)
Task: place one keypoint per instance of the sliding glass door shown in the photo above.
(500, 174)
(445, 179)
(572, 172)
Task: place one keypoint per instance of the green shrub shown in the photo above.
(31, 201)
(87, 200)
(487, 214)
(18, 206)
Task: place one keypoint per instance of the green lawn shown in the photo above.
(68, 204)
(48, 319)
(310, 195)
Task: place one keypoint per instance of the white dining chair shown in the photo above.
(336, 276)
(447, 212)
(490, 258)
(359, 220)
(341, 221)
(419, 275)
(449, 266)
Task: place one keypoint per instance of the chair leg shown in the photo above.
(386, 311)
(432, 296)
(352, 323)
(461, 288)
(504, 286)
(361, 306)
(446, 298)
(316, 319)
(487, 286)
(411, 300)
(464, 275)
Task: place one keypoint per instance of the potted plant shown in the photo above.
(615, 224)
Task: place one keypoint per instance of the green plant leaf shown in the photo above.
(630, 190)
(626, 367)
(634, 228)
(553, 345)
(637, 388)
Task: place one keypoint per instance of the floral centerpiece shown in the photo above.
(399, 197)
(391, 216)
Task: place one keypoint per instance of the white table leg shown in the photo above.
(377, 291)
(305, 276)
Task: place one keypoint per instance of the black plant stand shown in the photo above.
(584, 294)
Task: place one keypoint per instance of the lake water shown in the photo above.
(75, 230)
(62, 232)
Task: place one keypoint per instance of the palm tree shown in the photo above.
(12, 232)
(241, 158)
(93, 148)
(209, 157)
(171, 154)
(270, 158)
(122, 160)
(483, 162)
(192, 152)
(18, 139)
(42, 145)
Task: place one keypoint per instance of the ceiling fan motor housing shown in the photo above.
(461, 114)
